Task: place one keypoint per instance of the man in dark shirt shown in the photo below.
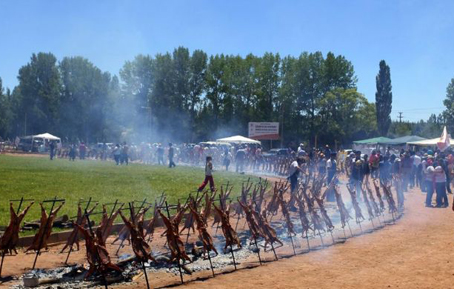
(171, 154)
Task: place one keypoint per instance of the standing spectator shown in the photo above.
(385, 170)
(208, 175)
(429, 174)
(52, 149)
(407, 166)
(227, 157)
(117, 154)
(374, 162)
(82, 150)
(440, 184)
(366, 169)
(331, 167)
(171, 155)
(294, 170)
(72, 152)
(415, 176)
(357, 173)
(124, 157)
(239, 159)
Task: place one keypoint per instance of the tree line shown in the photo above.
(188, 96)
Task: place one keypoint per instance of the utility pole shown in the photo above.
(400, 116)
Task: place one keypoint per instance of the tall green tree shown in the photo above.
(6, 113)
(383, 98)
(134, 107)
(85, 100)
(343, 114)
(448, 113)
(40, 91)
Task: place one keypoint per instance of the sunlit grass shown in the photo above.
(39, 178)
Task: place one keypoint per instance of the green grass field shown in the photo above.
(39, 178)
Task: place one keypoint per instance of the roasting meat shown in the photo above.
(81, 221)
(176, 245)
(45, 229)
(10, 237)
(204, 236)
(97, 255)
(358, 214)
(231, 238)
(141, 248)
(345, 216)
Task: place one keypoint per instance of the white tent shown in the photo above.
(238, 139)
(47, 136)
(428, 142)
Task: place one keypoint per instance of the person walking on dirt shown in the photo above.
(171, 155)
(208, 175)
(294, 170)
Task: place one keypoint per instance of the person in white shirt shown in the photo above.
(208, 175)
(294, 170)
(440, 185)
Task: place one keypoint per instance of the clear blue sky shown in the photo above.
(416, 38)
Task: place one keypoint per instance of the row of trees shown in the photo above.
(183, 96)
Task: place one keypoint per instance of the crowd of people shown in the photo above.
(430, 170)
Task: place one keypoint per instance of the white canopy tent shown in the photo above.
(428, 142)
(238, 139)
(47, 137)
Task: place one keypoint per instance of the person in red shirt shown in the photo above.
(374, 162)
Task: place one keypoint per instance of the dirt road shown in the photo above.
(414, 253)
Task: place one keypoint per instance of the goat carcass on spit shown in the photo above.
(268, 232)
(141, 249)
(9, 239)
(81, 221)
(204, 236)
(97, 255)
(231, 238)
(45, 229)
(176, 245)
(358, 214)
(256, 231)
(345, 216)
(105, 227)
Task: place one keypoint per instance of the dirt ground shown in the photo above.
(413, 253)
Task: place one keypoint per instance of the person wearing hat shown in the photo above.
(294, 170)
(171, 155)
